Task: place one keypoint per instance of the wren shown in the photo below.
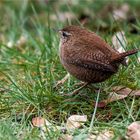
(86, 56)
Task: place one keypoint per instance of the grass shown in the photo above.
(29, 70)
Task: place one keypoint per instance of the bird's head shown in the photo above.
(70, 33)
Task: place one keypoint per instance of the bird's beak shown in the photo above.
(56, 30)
(60, 32)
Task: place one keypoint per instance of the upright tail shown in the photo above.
(120, 58)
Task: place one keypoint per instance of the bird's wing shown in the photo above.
(90, 58)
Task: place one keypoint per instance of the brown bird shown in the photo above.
(87, 56)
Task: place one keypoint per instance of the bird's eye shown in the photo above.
(65, 34)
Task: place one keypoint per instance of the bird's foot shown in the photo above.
(62, 81)
(79, 84)
(76, 91)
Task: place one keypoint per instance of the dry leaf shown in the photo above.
(122, 90)
(10, 44)
(65, 16)
(38, 121)
(138, 59)
(114, 97)
(41, 122)
(134, 131)
(136, 93)
(75, 121)
(22, 40)
(121, 13)
(119, 92)
(91, 137)
(45, 125)
(119, 41)
(66, 137)
(126, 91)
(62, 16)
(104, 135)
(2, 38)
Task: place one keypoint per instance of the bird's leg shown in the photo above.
(79, 84)
(95, 88)
(90, 86)
(62, 81)
(77, 90)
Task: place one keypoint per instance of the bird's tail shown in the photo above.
(121, 57)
